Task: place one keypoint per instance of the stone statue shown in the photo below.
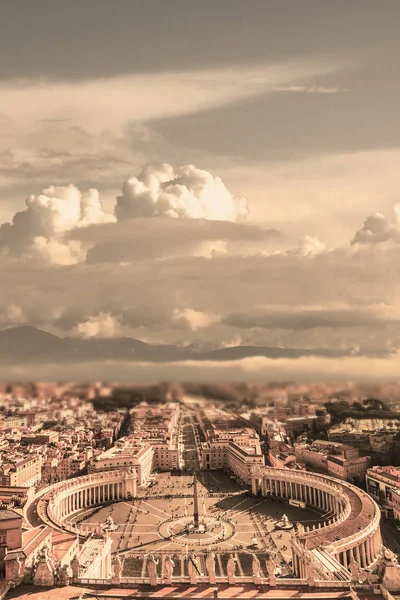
(354, 569)
(300, 529)
(28, 574)
(117, 567)
(256, 568)
(152, 569)
(16, 571)
(64, 575)
(169, 569)
(271, 566)
(231, 569)
(75, 567)
(310, 572)
(210, 564)
(44, 574)
(57, 568)
(389, 554)
(193, 568)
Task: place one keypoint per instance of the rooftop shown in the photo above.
(7, 513)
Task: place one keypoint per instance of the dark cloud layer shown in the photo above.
(158, 35)
(299, 319)
(139, 239)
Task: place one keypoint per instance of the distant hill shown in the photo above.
(29, 344)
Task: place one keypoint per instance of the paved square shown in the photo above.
(230, 522)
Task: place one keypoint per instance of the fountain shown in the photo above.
(109, 524)
(284, 524)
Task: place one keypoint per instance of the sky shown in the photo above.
(218, 172)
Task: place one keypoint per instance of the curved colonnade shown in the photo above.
(352, 529)
(62, 500)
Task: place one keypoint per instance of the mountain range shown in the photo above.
(29, 344)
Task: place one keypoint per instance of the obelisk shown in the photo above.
(195, 504)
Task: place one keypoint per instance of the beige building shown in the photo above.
(242, 460)
(340, 460)
(123, 457)
(347, 469)
(381, 482)
(227, 454)
(24, 472)
(70, 465)
(281, 456)
(396, 503)
(166, 455)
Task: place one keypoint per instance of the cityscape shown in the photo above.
(200, 300)
(118, 490)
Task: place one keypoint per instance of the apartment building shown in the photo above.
(381, 482)
(22, 472)
(339, 460)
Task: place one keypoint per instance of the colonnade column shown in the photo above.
(370, 550)
(363, 557)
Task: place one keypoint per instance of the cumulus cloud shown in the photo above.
(64, 226)
(12, 314)
(307, 247)
(54, 252)
(310, 246)
(185, 192)
(56, 210)
(195, 319)
(378, 228)
(103, 325)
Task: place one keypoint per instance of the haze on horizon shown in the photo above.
(218, 173)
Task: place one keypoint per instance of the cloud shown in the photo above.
(54, 252)
(58, 151)
(144, 295)
(108, 103)
(323, 196)
(300, 319)
(377, 229)
(312, 89)
(196, 319)
(186, 192)
(35, 230)
(63, 225)
(256, 369)
(310, 246)
(103, 325)
(12, 314)
(158, 237)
